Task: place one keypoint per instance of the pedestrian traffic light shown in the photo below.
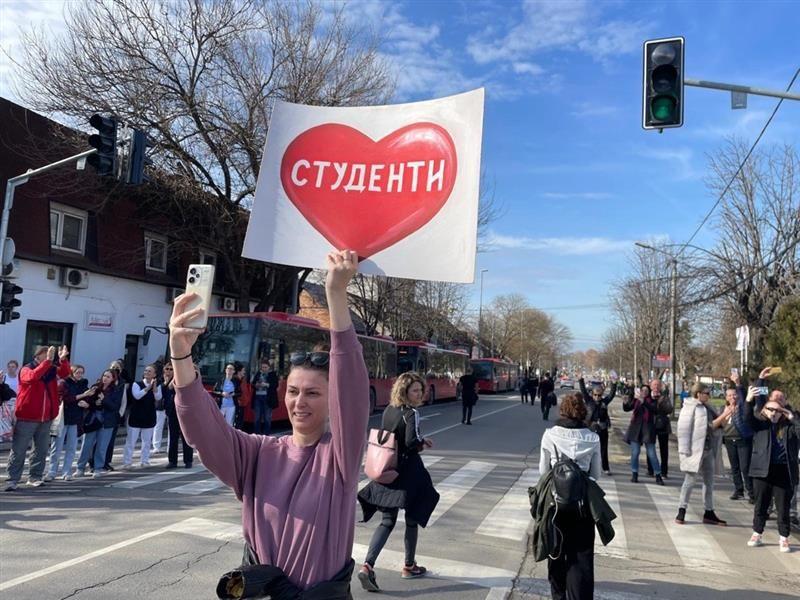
(105, 160)
(8, 302)
(662, 97)
(137, 158)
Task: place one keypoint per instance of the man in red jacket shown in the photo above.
(37, 406)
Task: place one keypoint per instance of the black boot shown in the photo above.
(635, 477)
(709, 518)
(659, 480)
(681, 518)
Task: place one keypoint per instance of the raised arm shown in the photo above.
(607, 400)
(348, 382)
(582, 385)
(227, 452)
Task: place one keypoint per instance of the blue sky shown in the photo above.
(577, 177)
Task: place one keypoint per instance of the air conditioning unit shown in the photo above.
(173, 293)
(229, 304)
(74, 278)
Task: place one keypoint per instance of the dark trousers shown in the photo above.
(545, 409)
(175, 433)
(523, 392)
(383, 531)
(466, 412)
(739, 453)
(776, 484)
(603, 433)
(663, 448)
(571, 575)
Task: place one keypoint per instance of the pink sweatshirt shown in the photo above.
(298, 504)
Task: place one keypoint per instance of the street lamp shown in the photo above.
(480, 316)
(672, 311)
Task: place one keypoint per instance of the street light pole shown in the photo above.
(480, 316)
(672, 311)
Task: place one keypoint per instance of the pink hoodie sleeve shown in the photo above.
(228, 453)
(348, 401)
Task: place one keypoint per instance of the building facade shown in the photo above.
(96, 274)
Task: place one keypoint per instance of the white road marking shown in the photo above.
(197, 487)
(511, 517)
(489, 414)
(426, 417)
(130, 484)
(697, 548)
(457, 485)
(498, 593)
(618, 547)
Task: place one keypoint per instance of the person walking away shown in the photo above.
(571, 572)
(142, 417)
(774, 464)
(11, 375)
(99, 422)
(72, 394)
(161, 421)
(311, 474)
(469, 395)
(533, 388)
(547, 393)
(663, 424)
(175, 432)
(699, 435)
(412, 490)
(642, 431)
(36, 407)
(523, 389)
(227, 390)
(598, 418)
(737, 436)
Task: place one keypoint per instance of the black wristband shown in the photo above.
(182, 357)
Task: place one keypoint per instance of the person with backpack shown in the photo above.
(565, 447)
(642, 430)
(598, 419)
(412, 490)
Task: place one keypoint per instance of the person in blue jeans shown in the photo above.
(642, 431)
(72, 393)
(265, 394)
(106, 397)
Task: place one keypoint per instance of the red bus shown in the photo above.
(495, 375)
(441, 368)
(248, 338)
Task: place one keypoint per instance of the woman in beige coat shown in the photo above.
(699, 441)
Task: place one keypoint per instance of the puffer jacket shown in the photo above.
(692, 432)
(37, 399)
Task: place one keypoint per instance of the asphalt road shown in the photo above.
(154, 533)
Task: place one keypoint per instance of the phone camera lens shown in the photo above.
(192, 279)
(193, 271)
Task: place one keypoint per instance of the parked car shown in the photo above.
(567, 384)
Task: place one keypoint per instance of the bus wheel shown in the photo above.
(373, 400)
(432, 395)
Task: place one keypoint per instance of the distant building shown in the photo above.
(94, 273)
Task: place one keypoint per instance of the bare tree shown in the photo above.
(201, 78)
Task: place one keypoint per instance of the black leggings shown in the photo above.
(466, 413)
(603, 433)
(381, 535)
(778, 485)
(663, 447)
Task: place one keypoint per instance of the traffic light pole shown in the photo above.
(744, 89)
(14, 182)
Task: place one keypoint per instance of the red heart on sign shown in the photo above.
(365, 195)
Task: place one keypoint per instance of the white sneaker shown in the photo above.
(784, 544)
(145, 464)
(10, 486)
(97, 474)
(79, 473)
(67, 477)
(155, 451)
(755, 540)
(126, 467)
(49, 477)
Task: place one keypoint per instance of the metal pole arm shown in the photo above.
(745, 89)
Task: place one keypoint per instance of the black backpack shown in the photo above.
(569, 482)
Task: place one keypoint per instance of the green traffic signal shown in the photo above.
(662, 94)
(663, 108)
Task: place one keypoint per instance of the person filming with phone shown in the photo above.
(774, 464)
(298, 492)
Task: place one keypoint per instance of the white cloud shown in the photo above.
(558, 25)
(569, 246)
(527, 68)
(682, 157)
(590, 109)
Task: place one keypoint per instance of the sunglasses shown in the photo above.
(317, 359)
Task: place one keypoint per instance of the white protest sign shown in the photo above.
(398, 184)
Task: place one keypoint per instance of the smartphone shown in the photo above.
(734, 372)
(200, 280)
(775, 370)
(763, 391)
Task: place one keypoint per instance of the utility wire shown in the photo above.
(739, 170)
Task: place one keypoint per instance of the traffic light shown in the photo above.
(662, 98)
(137, 158)
(105, 160)
(8, 302)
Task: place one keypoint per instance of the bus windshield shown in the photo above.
(482, 370)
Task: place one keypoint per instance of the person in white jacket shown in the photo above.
(571, 574)
(699, 440)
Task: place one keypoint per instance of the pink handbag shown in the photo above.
(381, 462)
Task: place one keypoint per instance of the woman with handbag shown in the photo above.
(72, 393)
(297, 491)
(412, 489)
(642, 431)
(99, 420)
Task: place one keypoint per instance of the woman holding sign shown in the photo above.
(298, 491)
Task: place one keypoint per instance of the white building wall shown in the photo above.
(131, 305)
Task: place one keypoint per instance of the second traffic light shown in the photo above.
(662, 94)
(8, 301)
(105, 140)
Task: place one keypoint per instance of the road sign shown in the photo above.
(661, 360)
